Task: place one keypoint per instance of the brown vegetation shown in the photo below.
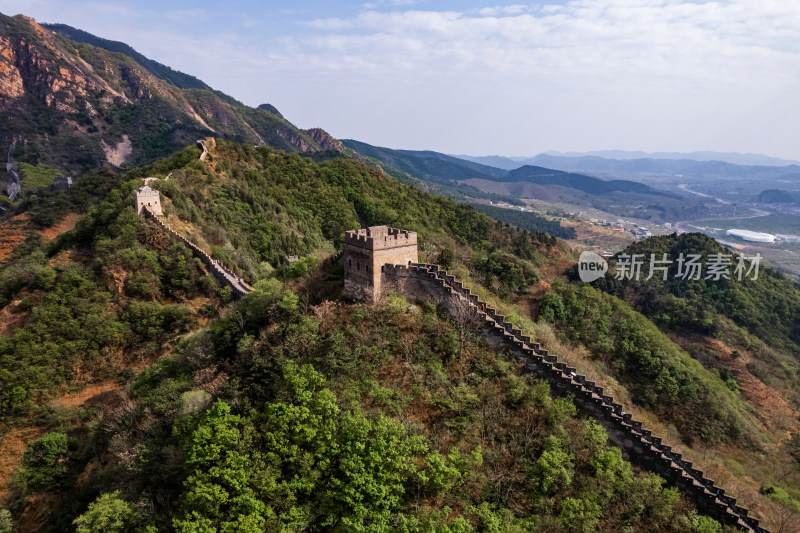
(12, 232)
(66, 224)
(12, 447)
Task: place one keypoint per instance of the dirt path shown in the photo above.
(104, 392)
(12, 316)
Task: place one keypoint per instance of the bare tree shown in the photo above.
(787, 520)
(428, 251)
(464, 315)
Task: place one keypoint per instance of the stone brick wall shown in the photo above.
(367, 252)
(427, 283)
(224, 275)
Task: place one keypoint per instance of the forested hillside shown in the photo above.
(301, 394)
(286, 404)
(527, 221)
(718, 358)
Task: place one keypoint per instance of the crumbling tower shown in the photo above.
(367, 251)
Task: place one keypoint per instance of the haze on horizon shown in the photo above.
(480, 78)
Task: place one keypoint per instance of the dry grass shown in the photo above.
(12, 232)
(13, 445)
(66, 224)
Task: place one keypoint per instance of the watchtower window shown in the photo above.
(349, 263)
(367, 268)
(358, 266)
(383, 268)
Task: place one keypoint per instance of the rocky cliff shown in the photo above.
(76, 105)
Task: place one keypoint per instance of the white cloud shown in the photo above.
(514, 9)
(513, 79)
(628, 71)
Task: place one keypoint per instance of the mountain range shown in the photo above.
(138, 394)
(644, 168)
(74, 101)
(441, 168)
(727, 157)
(618, 196)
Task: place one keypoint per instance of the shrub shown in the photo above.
(46, 461)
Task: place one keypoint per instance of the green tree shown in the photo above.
(579, 514)
(446, 259)
(110, 513)
(45, 464)
(217, 494)
(554, 469)
(6, 523)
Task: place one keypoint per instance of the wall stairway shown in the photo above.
(643, 448)
(223, 274)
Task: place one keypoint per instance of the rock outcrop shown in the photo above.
(325, 140)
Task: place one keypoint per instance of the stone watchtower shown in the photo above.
(150, 198)
(367, 251)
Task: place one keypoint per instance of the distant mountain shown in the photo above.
(600, 164)
(440, 168)
(776, 196)
(449, 174)
(497, 161)
(75, 101)
(687, 165)
(426, 166)
(488, 170)
(644, 169)
(728, 157)
(271, 108)
(587, 184)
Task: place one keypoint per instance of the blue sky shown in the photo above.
(485, 77)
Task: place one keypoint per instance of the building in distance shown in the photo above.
(750, 236)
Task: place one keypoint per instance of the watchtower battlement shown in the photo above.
(367, 251)
(380, 238)
(147, 198)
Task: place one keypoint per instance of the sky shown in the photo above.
(483, 78)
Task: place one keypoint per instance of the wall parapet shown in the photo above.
(224, 275)
(642, 447)
(380, 237)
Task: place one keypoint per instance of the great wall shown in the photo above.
(389, 255)
(424, 282)
(224, 275)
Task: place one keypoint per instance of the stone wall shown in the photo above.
(427, 283)
(148, 199)
(367, 251)
(224, 275)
